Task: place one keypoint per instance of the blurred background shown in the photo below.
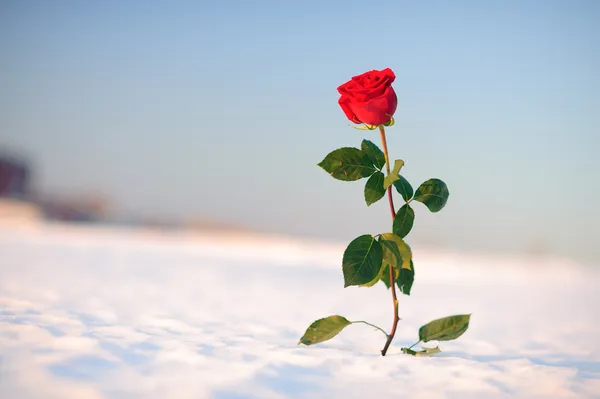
(214, 115)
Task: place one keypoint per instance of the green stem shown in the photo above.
(369, 324)
(390, 337)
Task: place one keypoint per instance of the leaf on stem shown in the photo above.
(433, 193)
(394, 174)
(362, 260)
(323, 329)
(445, 329)
(404, 188)
(395, 251)
(424, 352)
(374, 190)
(406, 279)
(403, 221)
(348, 164)
(379, 276)
(374, 153)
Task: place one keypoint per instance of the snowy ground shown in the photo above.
(100, 314)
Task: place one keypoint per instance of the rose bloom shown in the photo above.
(369, 98)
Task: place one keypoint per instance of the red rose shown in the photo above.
(369, 98)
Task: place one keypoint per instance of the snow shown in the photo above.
(100, 313)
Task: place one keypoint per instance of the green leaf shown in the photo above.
(429, 351)
(404, 188)
(372, 282)
(379, 276)
(406, 279)
(403, 221)
(394, 175)
(323, 330)
(445, 329)
(374, 190)
(409, 351)
(374, 153)
(362, 261)
(395, 251)
(433, 193)
(348, 164)
(424, 352)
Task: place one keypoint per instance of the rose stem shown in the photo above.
(392, 279)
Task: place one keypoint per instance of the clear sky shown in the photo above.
(222, 109)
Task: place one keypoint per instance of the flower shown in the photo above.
(369, 98)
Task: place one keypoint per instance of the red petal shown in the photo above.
(344, 104)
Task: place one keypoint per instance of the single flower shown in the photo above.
(369, 98)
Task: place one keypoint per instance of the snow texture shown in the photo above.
(98, 313)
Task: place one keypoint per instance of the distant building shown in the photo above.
(14, 178)
(93, 209)
(15, 193)
(17, 200)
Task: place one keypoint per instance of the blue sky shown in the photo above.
(221, 110)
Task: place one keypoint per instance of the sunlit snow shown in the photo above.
(102, 313)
